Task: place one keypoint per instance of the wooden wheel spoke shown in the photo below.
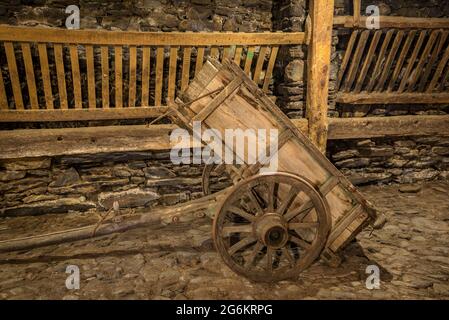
(257, 248)
(302, 243)
(299, 213)
(242, 213)
(288, 200)
(269, 259)
(240, 245)
(236, 228)
(271, 196)
(290, 258)
(302, 225)
(255, 202)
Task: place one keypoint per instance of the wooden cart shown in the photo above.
(270, 226)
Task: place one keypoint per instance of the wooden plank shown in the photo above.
(45, 71)
(199, 60)
(395, 22)
(259, 64)
(172, 73)
(105, 76)
(356, 59)
(417, 72)
(231, 88)
(269, 72)
(118, 77)
(132, 76)
(3, 99)
(29, 70)
(146, 76)
(249, 60)
(429, 66)
(238, 55)
(60, 73)
(412, 60)
(347, 56)
(91, 77)
(393, 98)
(214, 53)
(159, 75)
(368, 60)
(322, 12)
(186, 68)
(128, 38)
(391, 56)
(81, 114)
(227, 51)
(76, 78)
(380, 59)
(439, 71)
(401, 60)
(14, 75)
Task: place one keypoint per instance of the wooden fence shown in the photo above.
(89, 74)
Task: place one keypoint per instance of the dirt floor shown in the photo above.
(411, 251)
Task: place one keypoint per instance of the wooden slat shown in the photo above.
(3, 99)
(132, 76)
(118, 77)
(380, 60)
(45, 70)
(186, 68)
(259, 64)
(91, 76)
(395, 22)
(445, 80)
(347, 57)
(105, 76)
(368, 60)
(14, 75)
(401, 60)
(31, 80)
(357, 7)
(417, 73)
(387, 67)
(214, 53)
(199, 60)
(60, 73)
(249, 60)
(76, 78)
(269, 72)
(128, 38)
(355, 61)
(393, 98)
(81, 114)
(238, 55)
(227, 52)
(159, 75)
(145, 76)
(319, 56)
(439, 71)
(412, 60)
(218, 100)
(429, 66)
(172, 73)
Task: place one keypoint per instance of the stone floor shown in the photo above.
(412, 252)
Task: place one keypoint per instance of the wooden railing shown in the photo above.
(89, 74)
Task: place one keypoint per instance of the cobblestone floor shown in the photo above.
(412, 252)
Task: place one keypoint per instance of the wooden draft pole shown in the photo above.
(319, 55)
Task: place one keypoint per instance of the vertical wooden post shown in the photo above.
(357, 7)
(319, 54)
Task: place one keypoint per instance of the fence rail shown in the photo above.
(65, 75)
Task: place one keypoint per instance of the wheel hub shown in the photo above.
(271, 230)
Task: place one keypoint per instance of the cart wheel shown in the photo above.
(209, 171)
(270, 227)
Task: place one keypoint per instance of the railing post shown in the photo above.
(322, 13)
